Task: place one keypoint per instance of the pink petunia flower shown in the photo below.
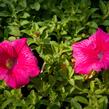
(17, 63)
(92, 54)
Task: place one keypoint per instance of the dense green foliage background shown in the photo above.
(51, 27)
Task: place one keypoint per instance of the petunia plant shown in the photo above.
(92, 54)
(17, 63)
(54, 54)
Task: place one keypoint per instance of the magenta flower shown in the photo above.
(92, 54)
(17, 63)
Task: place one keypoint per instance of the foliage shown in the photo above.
(51, 27)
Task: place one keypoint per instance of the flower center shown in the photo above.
(100, 55)
(10, 63)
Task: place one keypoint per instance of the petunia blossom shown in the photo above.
(17, 63)
(92, 54)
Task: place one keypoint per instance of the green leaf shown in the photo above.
(76, 105)
(79, 77)
(81, 99)
(52, 80)
(72, 82)
(14, 30)
(103, 101)
(92, 86)
(36, 6)
(22, 3)
(106, 23)
(100, 91)
(25, 15)
(24, 22)
(4, 14)
(103, 7)
(11, 38)
(92, 24)
(5, 103)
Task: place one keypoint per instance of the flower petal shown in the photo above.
(18, 44)
(100, 38)
(85, 56)
(7, 49)
(3, 73)
(28, 62)
(17, 78)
